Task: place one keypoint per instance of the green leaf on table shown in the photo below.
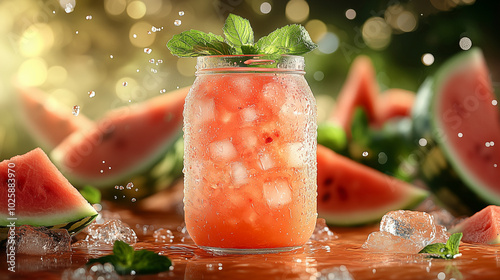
(238, 33)
(291, 39)
(197, 43)
(91, 194)
(442, 250)
(125, 260)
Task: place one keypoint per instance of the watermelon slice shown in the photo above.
(350, 193)
(360, 89)
(456, 113)
(482, 227)
(35, 193)
(127, 142)
(393, 103)
(47, 119)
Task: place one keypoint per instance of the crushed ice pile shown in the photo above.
(41, 241)
(322, 232)
(94, 272)
(108, 232)
(335, 273)
(406, 231)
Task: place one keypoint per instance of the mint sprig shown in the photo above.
(442, 250)
(125, 260)
(239, 39)
(91, 194)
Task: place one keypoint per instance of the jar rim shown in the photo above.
(250, 62)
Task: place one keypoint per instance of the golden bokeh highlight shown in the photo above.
(136, 9)
(36, 40)
(316, 28)
(115, 7)
(32, 72)
(186, 67)
(406, 21)
(297, 10)
(140, 34)
(376, 33)
(154, 6)
(124, 88)
(56, 75)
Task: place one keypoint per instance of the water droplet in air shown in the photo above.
(130, 185)
(69, 8)
(102, 171)
(103, 161)
(422, 142)
(154, 70)
(181, 13)
(163, 90)
(125, 84)
(91, 93)
(460, 134)
(152, 60)
(133, 199)
(365, 154)
(149, 32)
(115, 197)
(76, 32)
(54, 12)
(89, 17)
(177, 22)
(134, 35)
(76, 110)
(147, 50)
(159, 61)
(110, 56)
(494, 165)
(109, 168)
(494, 102)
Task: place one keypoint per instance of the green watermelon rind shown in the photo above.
(425, 104)
(51, 219)
(413, 197)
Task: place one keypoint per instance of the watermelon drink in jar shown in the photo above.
(250, 154)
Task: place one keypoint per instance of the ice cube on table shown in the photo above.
(419, 227)
(382, 241)
(239, 174)
(41, 241)
(108, 233)
(163, 235)
(335, 273)
(277, 192)
(95, 271)
(322, 232)
(222, 150)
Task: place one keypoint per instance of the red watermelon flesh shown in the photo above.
(43, 196)
(393, 103)
(125, 142)
(350, 193)
(359, 89)
(482, 227)
(48, 120)
(467, 120)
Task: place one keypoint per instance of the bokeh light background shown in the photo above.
(102, 54)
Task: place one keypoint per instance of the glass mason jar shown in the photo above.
(250, 154)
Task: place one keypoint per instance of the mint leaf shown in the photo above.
(454, 242)
(291, 39)
(238, 33)
(444, 251)
(125, 260)
(91, 194)
(196, 43)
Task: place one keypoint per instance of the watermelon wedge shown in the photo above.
(127, 142)
(456, 113)
(35, 193)
(393, 103)
(350, 193)
(47, 119)
(482, 227)
(359, 89)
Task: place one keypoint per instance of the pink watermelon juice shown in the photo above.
(250, 159)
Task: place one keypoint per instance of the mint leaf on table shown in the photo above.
(291, 39)
(238, 33)
(198, 43)
(239, 39)
(442, 250)
(125, 260)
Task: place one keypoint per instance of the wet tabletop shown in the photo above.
(340, 255)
